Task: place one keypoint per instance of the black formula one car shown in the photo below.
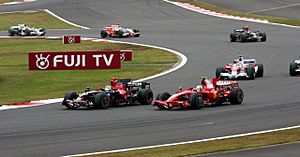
(245, 35)
(123, 91)
(295, 67)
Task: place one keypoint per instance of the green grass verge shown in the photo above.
(19, 84)
(214, 146)
(208, 6)
(6, 1)
(32, 19)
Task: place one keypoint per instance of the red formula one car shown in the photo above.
(116, 31)
(210, 92)
(123, 91)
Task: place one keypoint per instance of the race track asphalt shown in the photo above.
(278, 8)
(270, 102)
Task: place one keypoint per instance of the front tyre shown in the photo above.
(103, 33)
(219, 70)
(70, 96)
(263, 36)
(251, 73)
(232, 37)
(196, 101)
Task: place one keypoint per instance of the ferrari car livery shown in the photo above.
(210, 92)
(23, 30)
(116, 31)
(240, 69)
(295, 67)
(123, 91)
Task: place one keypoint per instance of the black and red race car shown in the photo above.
(121, 91)
(210, 92)
(116, 31)
(245, 35)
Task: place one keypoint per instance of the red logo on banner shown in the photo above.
(71, 39)
(126, 55)
(74, 60)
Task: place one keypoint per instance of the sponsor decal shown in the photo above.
(80, 60)
(126, 55)
(71, 39)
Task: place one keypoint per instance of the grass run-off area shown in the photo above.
(38, 19)
(6, 1)
(252, 141)
(208, 6)
(18, 84)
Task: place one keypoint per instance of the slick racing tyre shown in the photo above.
(243, 37)
(293, 67)
(101, 101)
(196, 101)
(237, 96)
(103, 33)
(158, 97)
(263, 36)
(251, 73)
(260, 70)
(70, 96)
(145, 96)
(232, 37)
(11, 32)
(219, 70)
(164, 96)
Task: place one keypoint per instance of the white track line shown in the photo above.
(226, 16)
(182, 61)
(17, 2)
(209, 139)
(181, 143)
(64, 20)
(275, 8)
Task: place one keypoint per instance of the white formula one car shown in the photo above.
(23, 30)
(295, 67)
(240, 69)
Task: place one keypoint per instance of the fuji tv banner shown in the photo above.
(80, 60)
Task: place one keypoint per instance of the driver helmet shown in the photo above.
(245, 28)
(199, 88)
(87, 89)
(203, 80)
(113, 81)
(107, 88)
(241, 58)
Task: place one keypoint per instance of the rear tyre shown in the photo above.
(70, 96)
(101, 101)
(260, 70)
(232, 37)
(251, 73)
(263, 36)
(293, 67)
(196, 101)
(219, 70)
(237, 96)
(145, 96)
(103, 33)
